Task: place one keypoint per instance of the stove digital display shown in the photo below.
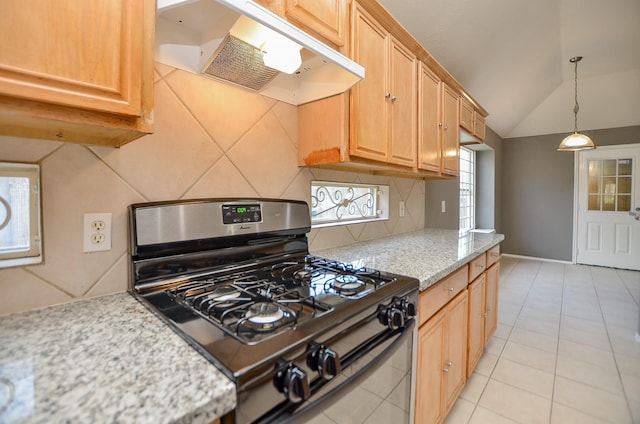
(238, 214)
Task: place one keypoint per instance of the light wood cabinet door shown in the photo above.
(326, 18)
(466, 114)
(429, 133)
(476, 331)
(491, 301)
(403, 105)
(479, 126)
(74, 64)
(441, 366)
(75, 53)
(451, 134)
(369, 120)
(429, 374)
(384, 104)
(456, 361)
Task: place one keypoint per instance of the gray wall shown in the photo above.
(488, 180)
(488, 183)
(537, 192)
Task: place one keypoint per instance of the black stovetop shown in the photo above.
(255, 304)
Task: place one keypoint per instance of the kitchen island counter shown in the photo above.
(104, 360)
(428, 255)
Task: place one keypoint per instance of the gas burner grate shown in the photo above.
(239, 304)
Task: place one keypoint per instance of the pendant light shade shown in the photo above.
(576, 141)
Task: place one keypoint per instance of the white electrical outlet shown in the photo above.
(444, 206)
(401, 208)
(97, 232)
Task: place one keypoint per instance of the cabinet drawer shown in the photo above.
(493, 255)
(438, 295)
(477, 267)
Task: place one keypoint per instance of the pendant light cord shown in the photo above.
(576, 108)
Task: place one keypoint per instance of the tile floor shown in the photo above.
(564, 351)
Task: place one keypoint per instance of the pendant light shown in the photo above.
(576, 141)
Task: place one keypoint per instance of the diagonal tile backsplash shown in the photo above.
(210, 140)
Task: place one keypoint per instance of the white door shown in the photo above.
(608, 213)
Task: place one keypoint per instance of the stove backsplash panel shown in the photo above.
(210, 140)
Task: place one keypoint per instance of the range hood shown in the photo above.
(217, 38)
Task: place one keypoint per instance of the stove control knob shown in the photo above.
(326, 361)
(293, 382)
(392, 317)
(409, 308)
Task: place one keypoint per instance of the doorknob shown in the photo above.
(635, 214)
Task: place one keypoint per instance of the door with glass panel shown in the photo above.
(608, 218)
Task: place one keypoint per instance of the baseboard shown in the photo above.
(533, 258)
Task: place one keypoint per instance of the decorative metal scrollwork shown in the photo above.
(342, 202)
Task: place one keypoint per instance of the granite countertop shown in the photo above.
(109, 359)
(428, 255)
(104, 360)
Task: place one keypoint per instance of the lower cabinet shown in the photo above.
(441, 364)
(483, 312)
(476, 339)
(457, 316)
(491, 301)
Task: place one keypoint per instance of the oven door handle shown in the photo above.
(309, 409)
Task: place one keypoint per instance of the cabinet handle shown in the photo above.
(450, 288)
(393, 98)
(449, 364)
(440, 124)
(387, 96)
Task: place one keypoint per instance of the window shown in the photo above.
(610, 185)
(334, 203)
(20, 241)
(467, 189)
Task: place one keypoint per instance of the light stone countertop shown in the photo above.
(109, 359)
(428, 255)
(104, 360)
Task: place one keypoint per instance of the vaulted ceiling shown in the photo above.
(513, 57)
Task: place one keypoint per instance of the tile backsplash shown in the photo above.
(210, 140)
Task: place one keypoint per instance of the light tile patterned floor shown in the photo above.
(565, 350)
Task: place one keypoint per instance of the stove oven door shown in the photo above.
(374, 385)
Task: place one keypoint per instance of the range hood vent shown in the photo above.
(240, 63)
(222, 39)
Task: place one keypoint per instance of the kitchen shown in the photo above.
(232, 143)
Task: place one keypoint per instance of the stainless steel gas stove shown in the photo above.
(295, 332)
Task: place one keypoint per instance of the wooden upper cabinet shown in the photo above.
(77, 70)
(326, 18)
(472, 123)
(369, 110)
(438, 138)
(401, 119)
(384, 104)
(466, 114)
(429, 133)
(402, 105)
(451, 134)
(479, 126)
